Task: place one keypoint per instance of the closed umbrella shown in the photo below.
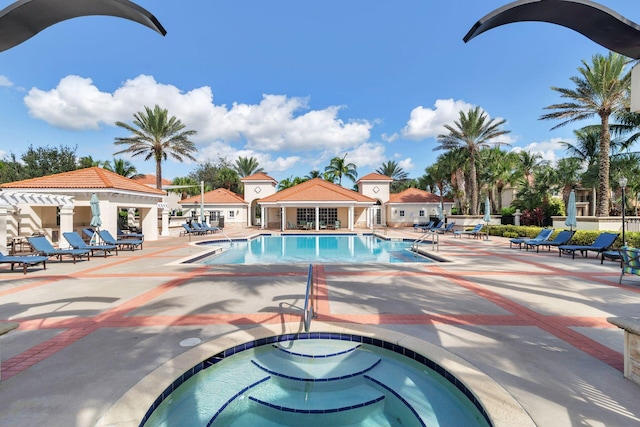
(96, 222)
(571, 220)
(487, 214)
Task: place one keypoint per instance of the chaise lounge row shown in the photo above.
(602, 243)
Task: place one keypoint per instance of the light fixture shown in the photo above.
(623, 184)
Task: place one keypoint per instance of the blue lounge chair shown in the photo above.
(41, 245)
(475, 232)
(207, 228)
(189, 230)
(542, 236)
(109, 240)
(448, 228)
(602, 244)
(630, 261)
(562, 238)
(25, 261)
(422, 226)
(435, 227)
(129, 235)
(76, 242)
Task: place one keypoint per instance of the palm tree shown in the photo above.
(289, 182)
(393, 170)
(472, 131)
(499, 169)
(246, 166)
(88, 162)
(123, 168)
(314, 173)
(338, 167)
(186, 187)
(601, 89)
(528, 164)
(157, 136)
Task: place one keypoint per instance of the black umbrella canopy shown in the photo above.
(25, 18)
(594, 21)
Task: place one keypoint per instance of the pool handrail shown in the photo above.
(308, 302)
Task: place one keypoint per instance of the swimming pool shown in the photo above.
(297, 249)
(317, 379)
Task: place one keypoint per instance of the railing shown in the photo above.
(308, 301)
(435, 240)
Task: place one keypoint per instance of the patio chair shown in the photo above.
(422, 226)
(630, 261)
(542, 236)
(24, 260)
(562, 238)
(475, 232)
(76, 242)
(42, 246)
(447, 229)
(188, 230)
(601, 244)
(207, 228)
(109, 240)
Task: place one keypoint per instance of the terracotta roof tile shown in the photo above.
(89, 178)
(260, 176)
(415, 195)
(150, 179)
(317, 190)
(375, 177)
(218, 196)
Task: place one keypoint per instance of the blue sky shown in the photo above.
(291, 83)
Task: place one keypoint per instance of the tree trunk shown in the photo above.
(159, 174)
(603, 171)
(473, 184)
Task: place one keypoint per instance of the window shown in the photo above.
(421, 213)
(232, 214)
(401, 213)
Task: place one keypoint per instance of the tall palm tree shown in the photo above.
(246, 166)
(601, 89)
(123, 168)
(528, 164)
(498, 169)
(472, 131)
(157, 136)
(394, 171)
(186, 186)
(338, 167)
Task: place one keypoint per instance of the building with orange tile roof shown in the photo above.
(114, 191)
(216, 204)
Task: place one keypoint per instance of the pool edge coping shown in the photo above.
(502, 408)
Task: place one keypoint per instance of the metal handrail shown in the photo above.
(308, 301)
(434, 242)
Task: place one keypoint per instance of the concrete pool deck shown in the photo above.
(534, 322)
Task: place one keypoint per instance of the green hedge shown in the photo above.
(581, 237)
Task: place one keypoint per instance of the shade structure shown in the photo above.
(571, 220)
(95, 211)
(487, 210)
(23, 19)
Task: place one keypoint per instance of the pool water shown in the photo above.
(309, 249)
(316, 382)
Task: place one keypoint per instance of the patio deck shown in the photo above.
(534, 322)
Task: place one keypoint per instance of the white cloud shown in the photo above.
(367, 155)
(5, 82)
(550, 150)
(276, 123)
(428, 123)
(406, 164)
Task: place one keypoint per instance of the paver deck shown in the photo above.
(534, 322)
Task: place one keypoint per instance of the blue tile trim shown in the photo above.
(319, 335)
(317, 356)
(317, 411)
(317, 380)
(402, 399)
(235, 396)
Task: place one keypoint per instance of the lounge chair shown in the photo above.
(602, 244)
(630, 261)
(207, 228)
(562, 238)
(42, 246)
(422, 226)
(447, 229)
(129, 235)
(109, 240)
(24, 260)
(188, 230)
(76, 242)
(475, 232)
(542, 236)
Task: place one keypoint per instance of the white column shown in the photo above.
(283, 218)
(351, 218)
(263, 217)
(317, 218)
(149, 222)
(165, 221)
(66, 223)
(3, 228)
